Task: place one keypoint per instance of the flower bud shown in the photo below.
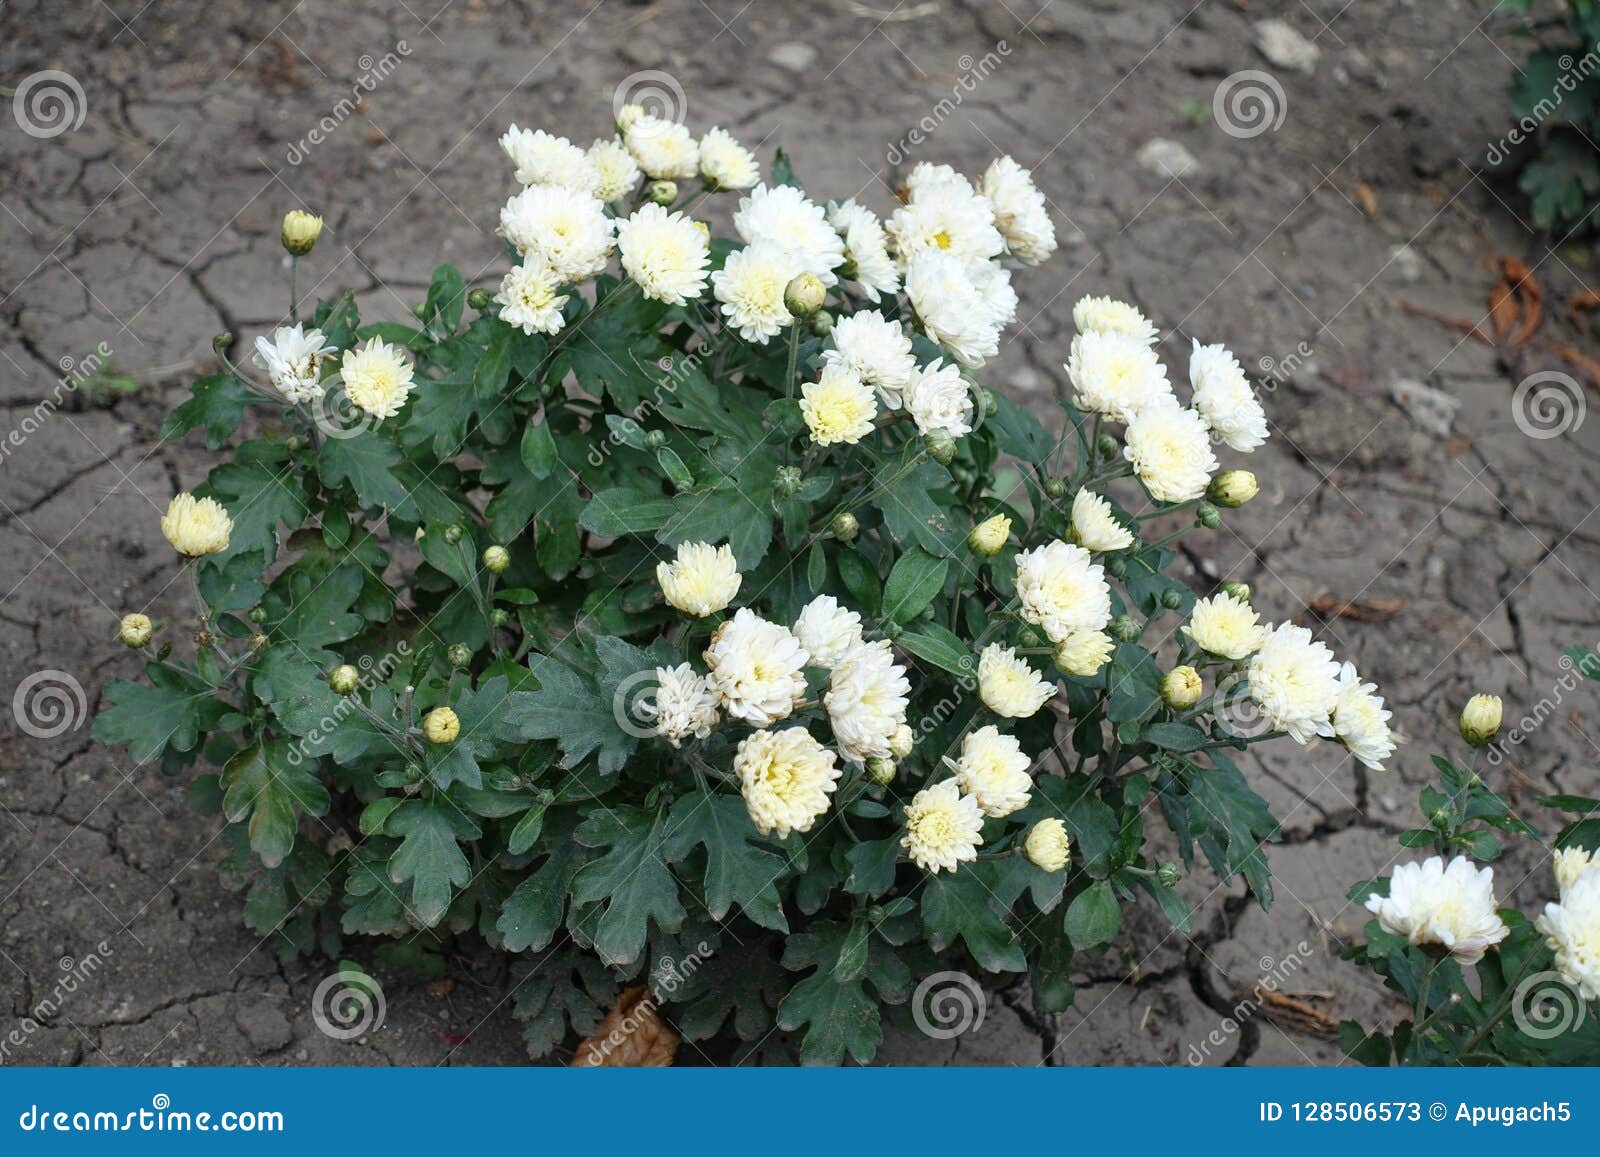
(1030, 636)
(1055, 486)
(1125, 628)
(1233, 488)
(902, 741)
(991, 404)
(344, 679)
(941, 447)
(1480, 719)
(259, 642)
(662, 192)
(135, 630)
(1207, 516)
(1169, 872)
(412, 772)
(804, 295)
(821, 323)
(1181, 688)
(500, 617)
(786, 481)
(222, 342)
(480, 299)
(1048, 846)
(1117, 566)
(891, 629)
(496, 559)
(845, 527)
(300, 231)
(453, 533)
(1237, 590)
(460, 655)
(258, 614)
(627, 114)
(440, 725)
(655, 439)
(1172, 598)
(989, 536)
(1106, 445)
(881, 770)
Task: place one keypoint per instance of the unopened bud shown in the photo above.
(135, 630)
(655, 439)
(662, 192)
(821, 323)
(804, 295)
(1169, 872)
(480, 299)
(1055, 486)
(1106, 445)
(1233, 488)
(1207, 516)
(845, 526)
(941, 447)
(222, 341)
(344, 679)
(500, 616)
(1237, 590)
(496, 559)
(460, 655)
(258, 614)
(786, 481)
(902, 741)
(1480, 719)
(1172, 598)
(259, 642)
(989, 536)
(881, 770)
(440, 725)
(452, 534)
(300, 231)
(1125, 628)
(991, 404)
(1181, 688)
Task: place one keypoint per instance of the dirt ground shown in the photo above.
(1398, 472)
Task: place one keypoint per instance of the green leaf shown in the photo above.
(944, 649)
(429, 856)
(622, 510)
(493, 370)
(872, 865)
(1175, 736)
(1019, 433)
(913, 516)
(572, 711)
(216, 404)
(172, 711)
(738, 870)
(1094, 916)
(539, 453)
(957, 906)
(317, 613)
(263, 786)
(631, 878)
(446, 300)
(258, 497)
(367, 463)
(531, 915)
(916, 578)
(838, 1015)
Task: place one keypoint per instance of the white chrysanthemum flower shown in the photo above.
(665, 150)
(618, 171)
(757, 668)
(926, 175)
(1116, 375)
(786, 778)
(726, 163)
(293, 360)
(1019, 211)
(1571, 928)
(866, 247)
(1223, 397)
(943, 828)
(1048, 845)
(1083, 653)
(1095, 524)
(1170, 450)
(1063, 590)
(938, 400)
(993, 285)
(1452, 907)
(1108, 315)
(1008, 685)
(543, 159)
(1295, 681)
(665, 253)
(529, 299)
(1225, 626)
(565, 229)
(994, 771)
(877, 350)
(1360, 720)
(866, 701)
(683, 704)
(952, 308)
(783, 214)
(827, 630)
(702, 580)
(750, 286)
(196, 526)
(377, 378)
(949, 218)
(1570, 863)
(838, 406)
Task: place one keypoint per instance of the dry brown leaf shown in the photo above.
(1529, 297)
(1361, 610)
(1287, 1008)
(631, 1035)
(1367, 199)
(1583, 301)
(1471, 329)
(1503, 309)
(1582, 361)
(442, 988)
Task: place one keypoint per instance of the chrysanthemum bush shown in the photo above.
(1485, 985)
(690, 595)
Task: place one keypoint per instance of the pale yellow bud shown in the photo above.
(1233, 488)
(344, 679)
(990, 535)
(135, 630)
(496, 559)
(1048, 845)
(440, 725)
(804, 295)
(1181, 688)
(901, 742)
(300, 231)
(1480, 719)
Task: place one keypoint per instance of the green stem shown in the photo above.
(294, 289)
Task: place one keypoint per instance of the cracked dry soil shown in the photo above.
(153, 226)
